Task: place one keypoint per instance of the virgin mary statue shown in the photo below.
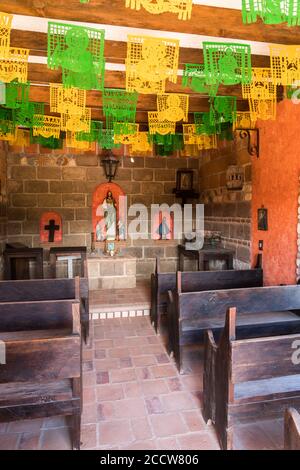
(109, 210)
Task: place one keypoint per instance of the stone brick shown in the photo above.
(80, 187)
(135, 251)
(24, 200)
(49, 200)
(171, 251)
(14, 228)
(244, 209)
(23, 172)
(193, 163)
(87, 160)
(156, 162)
(34, 213)
(14, 186)
(82, 226)
(16, 214)
(131, 187)
(143, 175)
(49, 173)
(95, 174)
(61, 187)
(165, 199)
(123, 174)
(243, 253)
(177, 163)
(141, 199)
(74, 240)
(74, 173)
(168, 266)
(138, 162)
(73, 200)
(36, 187)
(145, 268)
(83, 214)
(168, 187)
(150, 252)
(31, 228)
(152, 188)
(165, 175)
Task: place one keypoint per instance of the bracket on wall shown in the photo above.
(253, 140)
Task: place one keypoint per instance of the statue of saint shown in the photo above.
(109, 209)
(163, 229)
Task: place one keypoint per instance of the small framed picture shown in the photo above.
(184, 180)
(262, 219)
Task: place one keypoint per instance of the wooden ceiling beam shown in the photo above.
(114, 51)
(145, 102)
(39, 73)
(205, 20)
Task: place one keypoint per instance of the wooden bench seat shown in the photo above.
(48, 290)
(261, 311)
(248, 380)
(291, 429)
(196, 281)
(41, 375)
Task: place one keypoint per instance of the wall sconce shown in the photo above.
(253, 140)
(110, 164)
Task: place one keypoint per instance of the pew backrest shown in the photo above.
(291, 429)
(207, 304)
(38, 289)
(39, 315)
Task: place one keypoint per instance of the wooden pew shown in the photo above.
(291, 429)
(193, 281)
(247, 379)
(16, 262)
(49, 289)
(262, 311)
(41, 376)
(81, 253)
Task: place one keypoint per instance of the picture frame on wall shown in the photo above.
(262, 219)
(184, 180)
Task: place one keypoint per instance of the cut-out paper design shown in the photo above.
(150, 61)
(156, 126)
(262, 109)
(17, 94)
(222, 109)
(227, 63)
(203, 124)
(94, 135)
(76, 122)
(203, 141)
(261, 86)
(47, 142)
(79, 52)
(23, 116)
(167, 144)
(140, 143)
(22, 138)
(14, 64)
(183, 8)
(119, 105)
(107, 139)
(285, 64)
(244, 121)
(72, 141)
(46, 126)
(173, 107)
(195, 78)
(271, 11)
(67, 100)
(5, 28)
(7, 131)
(125, 132)
(2, 93)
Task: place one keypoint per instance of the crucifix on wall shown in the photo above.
(51, 227)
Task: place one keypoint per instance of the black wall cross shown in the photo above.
(52, 227)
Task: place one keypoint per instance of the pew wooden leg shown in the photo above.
(86, 330)
(76, 430)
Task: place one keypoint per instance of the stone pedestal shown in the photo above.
(111, 272)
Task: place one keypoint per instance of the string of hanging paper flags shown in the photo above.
(151, 63)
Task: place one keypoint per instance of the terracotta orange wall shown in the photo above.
(275, 185)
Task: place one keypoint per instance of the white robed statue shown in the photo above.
(109, 223)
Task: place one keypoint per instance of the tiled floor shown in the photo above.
(135, 399)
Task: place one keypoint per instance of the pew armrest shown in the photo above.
(209, 379)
